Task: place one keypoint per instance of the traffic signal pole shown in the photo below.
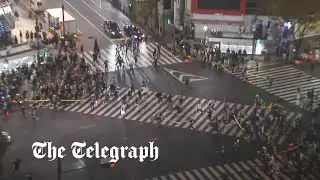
(37, 35)
(64, 29)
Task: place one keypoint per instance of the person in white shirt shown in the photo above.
(199, 107)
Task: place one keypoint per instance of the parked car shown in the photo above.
(112, 29)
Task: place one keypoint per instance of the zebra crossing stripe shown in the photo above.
(116, 106)
(146, 108)
(172, 177)
(108, 106)
(286, 81)
(197, 173)
(263, 175)
(180, 119)
(135, 111)
(207, 173)
(175, 97)
(99, 60)
(89, 60)
(150, 106)
(144, 60)
(164, 58)
(151, 111)
(191, 110)
(163, 178)
(250, 169)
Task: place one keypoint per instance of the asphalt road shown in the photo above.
(88, 23)
(215, 85)
(179, 149)
(90, 15)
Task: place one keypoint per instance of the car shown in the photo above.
(133, 32)
(6, 137)
(112, 29)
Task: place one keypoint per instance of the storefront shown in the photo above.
(6, 24)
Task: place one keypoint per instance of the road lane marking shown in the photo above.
(88, 126)
(95, 3)
(94, 10)
(89, 22)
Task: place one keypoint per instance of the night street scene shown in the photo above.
(159, 90)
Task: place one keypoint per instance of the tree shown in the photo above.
(304, 15)
(143, 9)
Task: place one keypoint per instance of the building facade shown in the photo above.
(222, 20)
(6, 23)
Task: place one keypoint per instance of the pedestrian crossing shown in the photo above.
(150, 106)
(293, 167)
(144, 60)
(243, 170)
(286, 80)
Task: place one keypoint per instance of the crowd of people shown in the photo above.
(66, 75)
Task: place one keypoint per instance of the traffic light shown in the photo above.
(46, 54)
(169, 21)
(258, 41)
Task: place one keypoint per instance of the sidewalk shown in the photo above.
(14, 50)
(23, 24)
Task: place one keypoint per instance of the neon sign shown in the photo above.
(5, 10)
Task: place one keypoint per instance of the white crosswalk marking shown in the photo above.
(311, 173)
(150, 106)
(250, 170)
(286, 80)
(144, 60)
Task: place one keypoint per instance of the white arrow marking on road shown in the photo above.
(182, 75)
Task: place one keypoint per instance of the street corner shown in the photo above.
(15, 50)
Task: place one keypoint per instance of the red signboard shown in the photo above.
(197, 10)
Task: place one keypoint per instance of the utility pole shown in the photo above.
(64, 29)
(59, 168)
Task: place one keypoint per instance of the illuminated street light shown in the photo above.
(205, 28)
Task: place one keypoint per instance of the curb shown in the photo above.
(14, 46)
(20, 52)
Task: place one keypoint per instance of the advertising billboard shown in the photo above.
(227, 7)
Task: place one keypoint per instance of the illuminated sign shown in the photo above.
(5, 10)
(227, 7)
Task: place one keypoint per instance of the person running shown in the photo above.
(92, 101)
(16, 165)
(159, 118)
